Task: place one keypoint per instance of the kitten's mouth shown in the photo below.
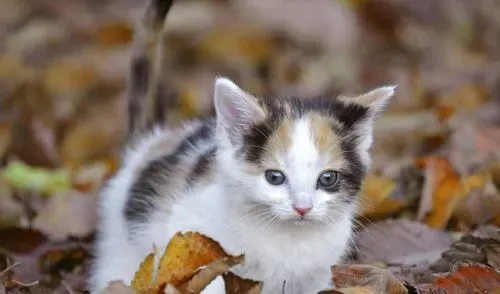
(301, 221)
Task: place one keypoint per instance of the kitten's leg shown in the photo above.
(146, 104)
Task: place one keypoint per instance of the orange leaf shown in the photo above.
(475, 278)
(442, 191)
(114, 34)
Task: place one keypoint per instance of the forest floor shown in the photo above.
(430, 204)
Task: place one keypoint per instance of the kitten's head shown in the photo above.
(292, 160)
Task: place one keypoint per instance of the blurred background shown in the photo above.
(63, 75)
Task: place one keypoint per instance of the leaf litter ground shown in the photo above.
(430, 207)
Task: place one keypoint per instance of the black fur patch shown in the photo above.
(351, 177)
(255, 140)
(202, 166)
(143, 192)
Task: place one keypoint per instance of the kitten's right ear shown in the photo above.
(236, 110)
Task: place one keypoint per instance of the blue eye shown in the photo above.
(328, 179)
(275, 177)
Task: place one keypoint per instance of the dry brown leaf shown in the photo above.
(69, 77)
(239, 44)
(113, 34)
(493, 255)
(94, 135)
(11, 211)
(411, 243)
(68, 214)
(207, 274)
(237, 285)
(369, 277)
(5, 137)
(442, 191)
(468, 97)
(482, 201)
(91, 176)
(465, 278)
(474, 144)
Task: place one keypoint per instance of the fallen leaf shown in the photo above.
(11, 211)
(190, 262)
(93, 135)
(411, 243)
(369, 277)
(46, 181)
(473, 144)
(465, 278)
(493, 255)
(482, 201)
(383, 196)
(143, 278)
(66, 77)
(237, 44)
(5, 137)
(19, 240)
(184, 254)
(91, 176)
(57, 261)
(237, 285)
(468, 249)
(68, 214)
(113, 34)
(375, 193)
(204, 276)
(442, 191)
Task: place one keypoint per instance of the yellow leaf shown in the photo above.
(69, 77)
(237, 43)
(444, 191)
(375, 194)
(143, 278)
(184, 254)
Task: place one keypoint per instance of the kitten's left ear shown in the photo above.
(375, 101)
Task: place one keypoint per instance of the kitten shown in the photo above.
(276, 179)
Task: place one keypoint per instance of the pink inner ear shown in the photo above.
(231, 112)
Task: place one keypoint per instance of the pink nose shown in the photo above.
(302, 210)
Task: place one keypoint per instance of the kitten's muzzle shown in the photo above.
(302, 203)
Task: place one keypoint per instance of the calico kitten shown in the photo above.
(276, 179)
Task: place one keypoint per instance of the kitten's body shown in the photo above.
(300, 255)
(221, 177)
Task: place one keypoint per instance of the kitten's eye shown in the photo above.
(328, 179)
(275, 177)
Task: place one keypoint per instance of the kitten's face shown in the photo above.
(296, 161)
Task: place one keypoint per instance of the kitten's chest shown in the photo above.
(303, 266)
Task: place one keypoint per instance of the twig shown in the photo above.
(22, 284)
(2, 273)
